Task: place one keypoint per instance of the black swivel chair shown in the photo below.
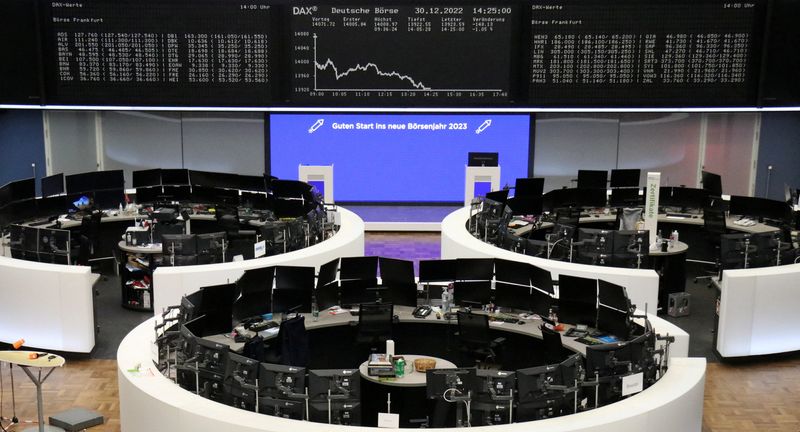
(714, 226)
(87, 237)
(552, 346)
(375, 322)
(291, 345)
(474, 338)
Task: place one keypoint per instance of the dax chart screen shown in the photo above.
(402, 53)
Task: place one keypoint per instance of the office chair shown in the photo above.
(375, 322)
(474, 338)
(628, 218)
(714, 226)
(552, 346)
(291, 345)
(87, 237)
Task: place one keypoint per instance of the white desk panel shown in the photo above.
(51, 306)
(150, 401)
(759, 311)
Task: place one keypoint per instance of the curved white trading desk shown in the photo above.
(457, 242)
(51, 306)
(150, 401)
(758, 311)
(171, 283)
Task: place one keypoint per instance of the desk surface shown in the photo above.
(412, 378)
(20, 358)
(149, 249)
(678, 248)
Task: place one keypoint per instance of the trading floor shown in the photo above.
(757, 395)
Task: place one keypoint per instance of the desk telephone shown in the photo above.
(422, 311)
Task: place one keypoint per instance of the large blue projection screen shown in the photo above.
(400, 158)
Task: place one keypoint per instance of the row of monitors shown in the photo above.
(281, 289)
(668, 198)
(40, 244)
(587, 179)
(738, 251)
(538, 392)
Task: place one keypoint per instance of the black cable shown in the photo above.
(14, 418)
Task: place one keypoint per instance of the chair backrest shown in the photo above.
(375, 322)
(714, 220)
(629, 218)
(552, 345)
(473, 329)
(293, 341)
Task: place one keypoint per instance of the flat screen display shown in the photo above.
(398, 158)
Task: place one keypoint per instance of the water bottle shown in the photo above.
(314, 310)
(445, 300)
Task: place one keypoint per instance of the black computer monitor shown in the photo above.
(217, 307)
(242, 370)
(529, 187)
(625, 178)
(613, 295)
(614, 322)
(526, 205)
(179, 244)
(512, 272)
(79, 183)
(206, 179)
(592, 179)
(148, 195)
(736, 250)
(251, 183)
(541, 279)
(175, 176)
(472, 293)
(761, 208)
(285, 408)
(346, 412)
(211, 384)
(397, 277)
(533, 382)
(146, 178)
(109, 179)
(294, 287)
(212, 356)
(328, 273)
(189, 306)
(457, 382)
(684, 198)
(437, 270)
(630, 248)
(240, 397)
(608, 363)
(255, 200)
(209, 247)
(53, 185)
(282, 381)
(474, 269)
(485, 159)
(187, 344)
(577, 300)
(590, 198)
(499, 197)
(20, 190)
(109, 198)
(490, 405)
(255, 293)
(54, 205)
(627, 197)
(342, 383)
(595, 246)
(512, 296)
(359, 268)
(712, 183)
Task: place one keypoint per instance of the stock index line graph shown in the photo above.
(416, 86)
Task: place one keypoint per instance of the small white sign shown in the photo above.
(632, 384)
(260, 249)
(388, 420)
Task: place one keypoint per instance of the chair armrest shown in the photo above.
(498, 341)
